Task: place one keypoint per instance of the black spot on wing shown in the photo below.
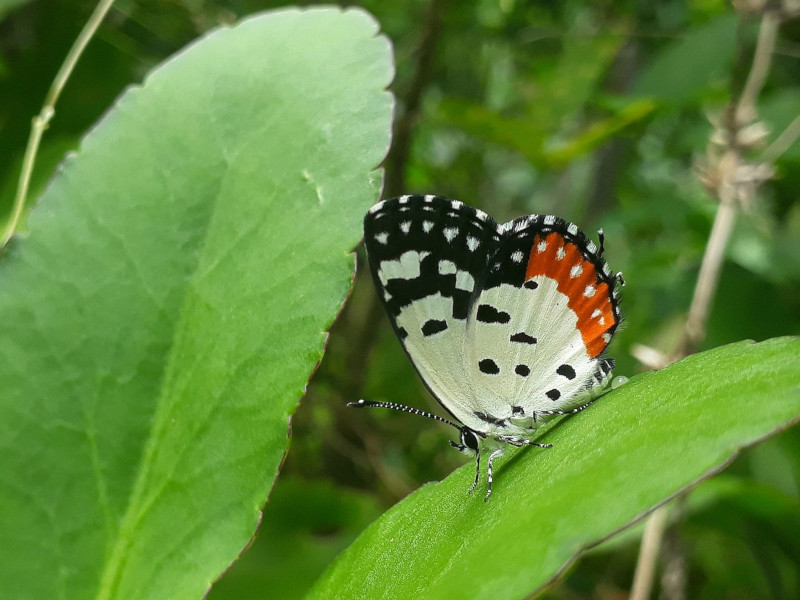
(402, 333)
(554, 394)
(488, 366)
(522, 370)
(517, 410)
(433, 326)
(523, 338)
(566, 371)
(531, 284)
(489, 314)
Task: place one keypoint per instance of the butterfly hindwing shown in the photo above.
(428, 257)
(538, 327)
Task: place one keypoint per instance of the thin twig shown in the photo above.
(412, 101)
(708, 278)
(783, 142)
(42, 120)
(395, 166)
(732, 189)
(768, 30)
(673, 576)
(648, 554)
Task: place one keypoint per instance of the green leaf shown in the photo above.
(161, 320)
(688, 67)
(634, 449)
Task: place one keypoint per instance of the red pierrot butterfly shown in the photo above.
(505, 324)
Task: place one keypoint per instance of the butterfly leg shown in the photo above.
(477, 472)
(566, 412)
(492, 456)
(519, 441)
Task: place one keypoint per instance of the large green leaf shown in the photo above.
(610, 465)
(161, 320)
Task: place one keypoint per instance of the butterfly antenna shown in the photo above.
(403, 408)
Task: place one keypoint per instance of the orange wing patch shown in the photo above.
(589, 297)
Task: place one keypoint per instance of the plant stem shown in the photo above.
(648, 554)
(768, 31)
(708, 278)
(42, 120)
(731, 190)
(783, 142)
(432, 27)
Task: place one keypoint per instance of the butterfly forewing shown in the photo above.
(428, 258)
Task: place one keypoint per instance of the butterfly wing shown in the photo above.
(428, 257)
(548, 309)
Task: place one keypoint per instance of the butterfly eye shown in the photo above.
(469, 439)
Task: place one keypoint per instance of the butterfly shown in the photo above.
(505, 323)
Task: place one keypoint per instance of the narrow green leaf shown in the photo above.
(610, 465)
(598, 132)
(528, 135)
(161, 320)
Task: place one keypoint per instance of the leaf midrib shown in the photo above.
(115, 563)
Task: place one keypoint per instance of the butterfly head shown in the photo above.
(468, 443)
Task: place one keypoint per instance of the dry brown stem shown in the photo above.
(729, 176)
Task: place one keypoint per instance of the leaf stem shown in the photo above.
(42, 120)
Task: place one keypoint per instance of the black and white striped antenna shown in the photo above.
(403, 408)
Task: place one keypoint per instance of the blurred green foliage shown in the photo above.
(595, 111)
